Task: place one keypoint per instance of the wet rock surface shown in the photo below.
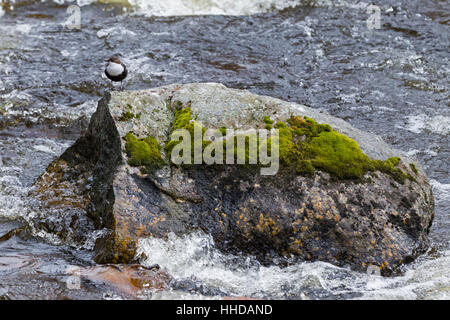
(285, 217)
(128, 280)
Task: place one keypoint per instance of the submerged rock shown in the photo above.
(336, 204)
(128, 280)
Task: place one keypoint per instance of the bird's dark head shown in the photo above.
(114, 59)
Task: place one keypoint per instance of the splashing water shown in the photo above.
(216, 7)
(194, 258)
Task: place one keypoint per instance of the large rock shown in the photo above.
(376, 220)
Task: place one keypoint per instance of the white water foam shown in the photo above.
(425, 281)
(195, 258)
(441, 190)
(210, 7)
(217, 7)
(438, 124)
(414, 152)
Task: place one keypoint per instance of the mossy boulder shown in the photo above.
(341, 195)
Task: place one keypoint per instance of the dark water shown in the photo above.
(392, 81)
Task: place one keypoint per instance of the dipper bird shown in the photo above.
(116, 70)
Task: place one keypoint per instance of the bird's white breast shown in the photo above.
(114, 69)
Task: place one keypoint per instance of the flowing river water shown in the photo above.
(392, 81)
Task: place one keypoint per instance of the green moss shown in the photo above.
(286, 145)
(394, 161)
(388, 167)
(223, 130)
(338, 155)
(307, 146)
(144, 153)
(127, 116)
(182, 118)
(305, 167)
(413, 168)
(267, 120)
